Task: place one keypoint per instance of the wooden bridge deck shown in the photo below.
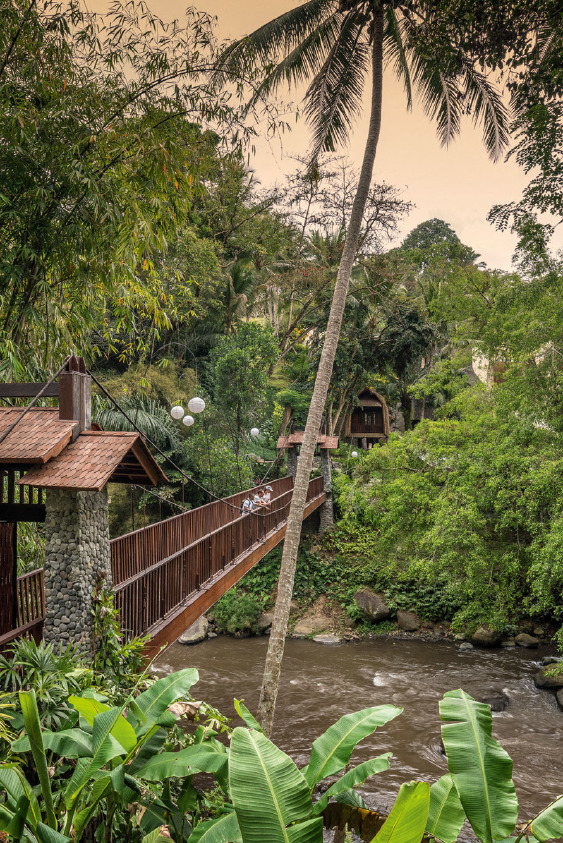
(168, 574)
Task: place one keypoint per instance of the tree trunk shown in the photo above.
(276, 642)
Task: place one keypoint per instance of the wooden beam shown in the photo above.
(28, 390)
(33, 512)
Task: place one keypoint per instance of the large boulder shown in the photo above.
(559, 696)
(264, 622)
(372, 605)
(543, 679)
(497, 700)
(322, 616)
(328, 638)
(486, 637)
(196, 632)
(408, 621)
(525, 640)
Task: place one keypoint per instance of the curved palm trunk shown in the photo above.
(276, 644)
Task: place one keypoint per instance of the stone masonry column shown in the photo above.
(77, 554)
(291, 461)
(326, 511)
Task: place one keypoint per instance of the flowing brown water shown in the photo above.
(321, 683)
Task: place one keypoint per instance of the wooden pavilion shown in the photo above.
(54, 467)
(368, 422)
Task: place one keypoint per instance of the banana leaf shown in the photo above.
(45, 834)
(88, 708)
(71, 743)
(30, 714)
(481, 768)
(549, 823)
(408, 817)
(153, 703)
(101, 754)
(331, 751)
(446, 815)
(354, 777)
(268, 791)
(104, 785)
(223, 829)
(247, 716)
(193, 759)
(17, 786)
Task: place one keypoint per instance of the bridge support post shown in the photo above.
(292, 461)
(326, 511)
(77, 557)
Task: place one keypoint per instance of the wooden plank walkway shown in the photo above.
(168, 574)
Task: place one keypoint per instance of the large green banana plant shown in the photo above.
(114, 754)
(272, 800)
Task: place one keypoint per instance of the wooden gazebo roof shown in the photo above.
(41, 443)
(323, 440)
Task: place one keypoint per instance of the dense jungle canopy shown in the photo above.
(134, 231)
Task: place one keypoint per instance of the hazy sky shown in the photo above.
(458, 184)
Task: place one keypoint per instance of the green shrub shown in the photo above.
(237, 612)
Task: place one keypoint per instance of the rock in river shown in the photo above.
(485, 637)
(195, 633)
(329, 638)
(408, 621)
(372, 605)
(544, 680)
(525, 640)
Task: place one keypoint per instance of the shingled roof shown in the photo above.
(36, 439)
(329, 443)
(95, 459)
(42, 441)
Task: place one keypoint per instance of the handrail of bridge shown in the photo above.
(140, 550)
(151, 594)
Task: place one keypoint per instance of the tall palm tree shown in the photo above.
(336, 45)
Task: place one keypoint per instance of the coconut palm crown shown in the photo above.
(328, 43)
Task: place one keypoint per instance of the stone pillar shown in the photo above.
(77, 554)
(327, 514)
(292, 461)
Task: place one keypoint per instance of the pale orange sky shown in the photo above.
(458, 184)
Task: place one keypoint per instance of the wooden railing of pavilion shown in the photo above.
(157, 572)
(30, 608)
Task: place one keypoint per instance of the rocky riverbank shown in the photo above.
(326, 622)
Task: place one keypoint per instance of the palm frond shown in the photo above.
(278, 37)
(151, 417)
(304, 60)
(395, 52)
(334, 97)
(440, 95)
(486, 107)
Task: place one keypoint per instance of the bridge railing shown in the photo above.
(140, 550)
(150, 595)
(31, 608)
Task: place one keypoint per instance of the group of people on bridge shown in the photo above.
(261, 500)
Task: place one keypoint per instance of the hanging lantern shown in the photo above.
(188, 420)
(354, 454)
(196, 405)
(255, 432)
(177, 412)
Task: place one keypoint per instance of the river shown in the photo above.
(320, 683)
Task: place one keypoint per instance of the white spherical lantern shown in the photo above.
(196, 405)
(188, 420)
(354, 454)
(177, 412)
(254, 432)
